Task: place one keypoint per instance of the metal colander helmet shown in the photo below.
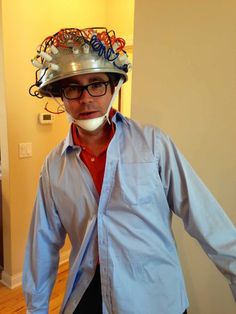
(71, 52)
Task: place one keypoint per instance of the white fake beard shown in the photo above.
(93, 124)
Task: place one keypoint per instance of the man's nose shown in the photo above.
(85, 94)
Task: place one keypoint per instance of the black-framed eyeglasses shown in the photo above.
(75, 91)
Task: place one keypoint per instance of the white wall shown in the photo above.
(184, 81)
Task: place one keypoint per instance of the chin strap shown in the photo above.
(118, 87)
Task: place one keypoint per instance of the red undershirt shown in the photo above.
(95, 164)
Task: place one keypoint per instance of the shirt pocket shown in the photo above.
(138, 182)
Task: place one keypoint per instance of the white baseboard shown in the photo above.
(11, 281)
(16, 280)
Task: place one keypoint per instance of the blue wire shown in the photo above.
(109, 54)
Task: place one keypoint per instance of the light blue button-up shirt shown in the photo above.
(146, 180)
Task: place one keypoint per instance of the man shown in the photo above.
(112, 186)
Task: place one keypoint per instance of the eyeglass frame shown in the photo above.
(85, 87)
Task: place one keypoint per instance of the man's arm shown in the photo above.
(203, 217)
(46, 237)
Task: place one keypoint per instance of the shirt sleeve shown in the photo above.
(46, 237)
(203, 217)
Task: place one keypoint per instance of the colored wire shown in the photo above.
(101, 49)
(103, 42)
(59, 109)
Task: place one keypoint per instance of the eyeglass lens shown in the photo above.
(75, 91)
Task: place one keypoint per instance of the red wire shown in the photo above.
(65, 34)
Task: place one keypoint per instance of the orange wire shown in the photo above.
(60, 38)
(104, 37)
(121, 43)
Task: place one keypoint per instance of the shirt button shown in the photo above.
(93, 159)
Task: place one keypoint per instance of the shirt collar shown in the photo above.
(68, 142)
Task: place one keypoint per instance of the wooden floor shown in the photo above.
(12, 300)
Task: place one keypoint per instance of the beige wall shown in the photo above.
(25, 24)
(184, 81)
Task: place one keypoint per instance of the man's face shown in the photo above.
(87, 106)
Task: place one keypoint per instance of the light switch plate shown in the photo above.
(25, 150)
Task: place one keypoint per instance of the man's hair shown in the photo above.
(113, 79)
